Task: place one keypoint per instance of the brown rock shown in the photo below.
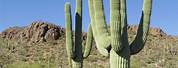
(153, 31)
(37, 31)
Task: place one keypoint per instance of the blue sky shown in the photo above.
(24, 12)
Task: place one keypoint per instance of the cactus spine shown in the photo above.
(74, 52)
(117, 40)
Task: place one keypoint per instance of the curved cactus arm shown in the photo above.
(101, 26)
(143, 28)
(115, 23)
(89, 43)
(124, 33)
(101, 45)
(68, 25)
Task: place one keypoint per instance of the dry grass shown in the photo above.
(158, 53)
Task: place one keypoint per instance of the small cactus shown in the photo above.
(74, 48)
(115, 44)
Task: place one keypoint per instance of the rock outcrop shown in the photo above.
(153, 31)
(36, 32)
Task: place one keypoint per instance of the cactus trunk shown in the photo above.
(77, 64)
(121, 60)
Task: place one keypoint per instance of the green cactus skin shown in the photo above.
(102, 37)
(78, 35)
(74, 52)
(69, 41)
(89, 42)
(121, 50)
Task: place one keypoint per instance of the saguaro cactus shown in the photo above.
(115, 44)
(74, 52)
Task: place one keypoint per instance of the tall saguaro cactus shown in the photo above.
(117, 39)
(74, 52)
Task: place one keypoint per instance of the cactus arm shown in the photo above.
(89, 43)
(69, 41)
(123, 12)
(115, 24)
(78, 28)
(101, 26)
(143, 28)
(68, 25)
(100, 18)
(78, 60)
(102, 47)
(92, 17)
(124, 33)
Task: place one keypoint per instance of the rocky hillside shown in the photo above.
(44, 44)
(36, 32)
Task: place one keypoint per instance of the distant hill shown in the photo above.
(44, 43)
